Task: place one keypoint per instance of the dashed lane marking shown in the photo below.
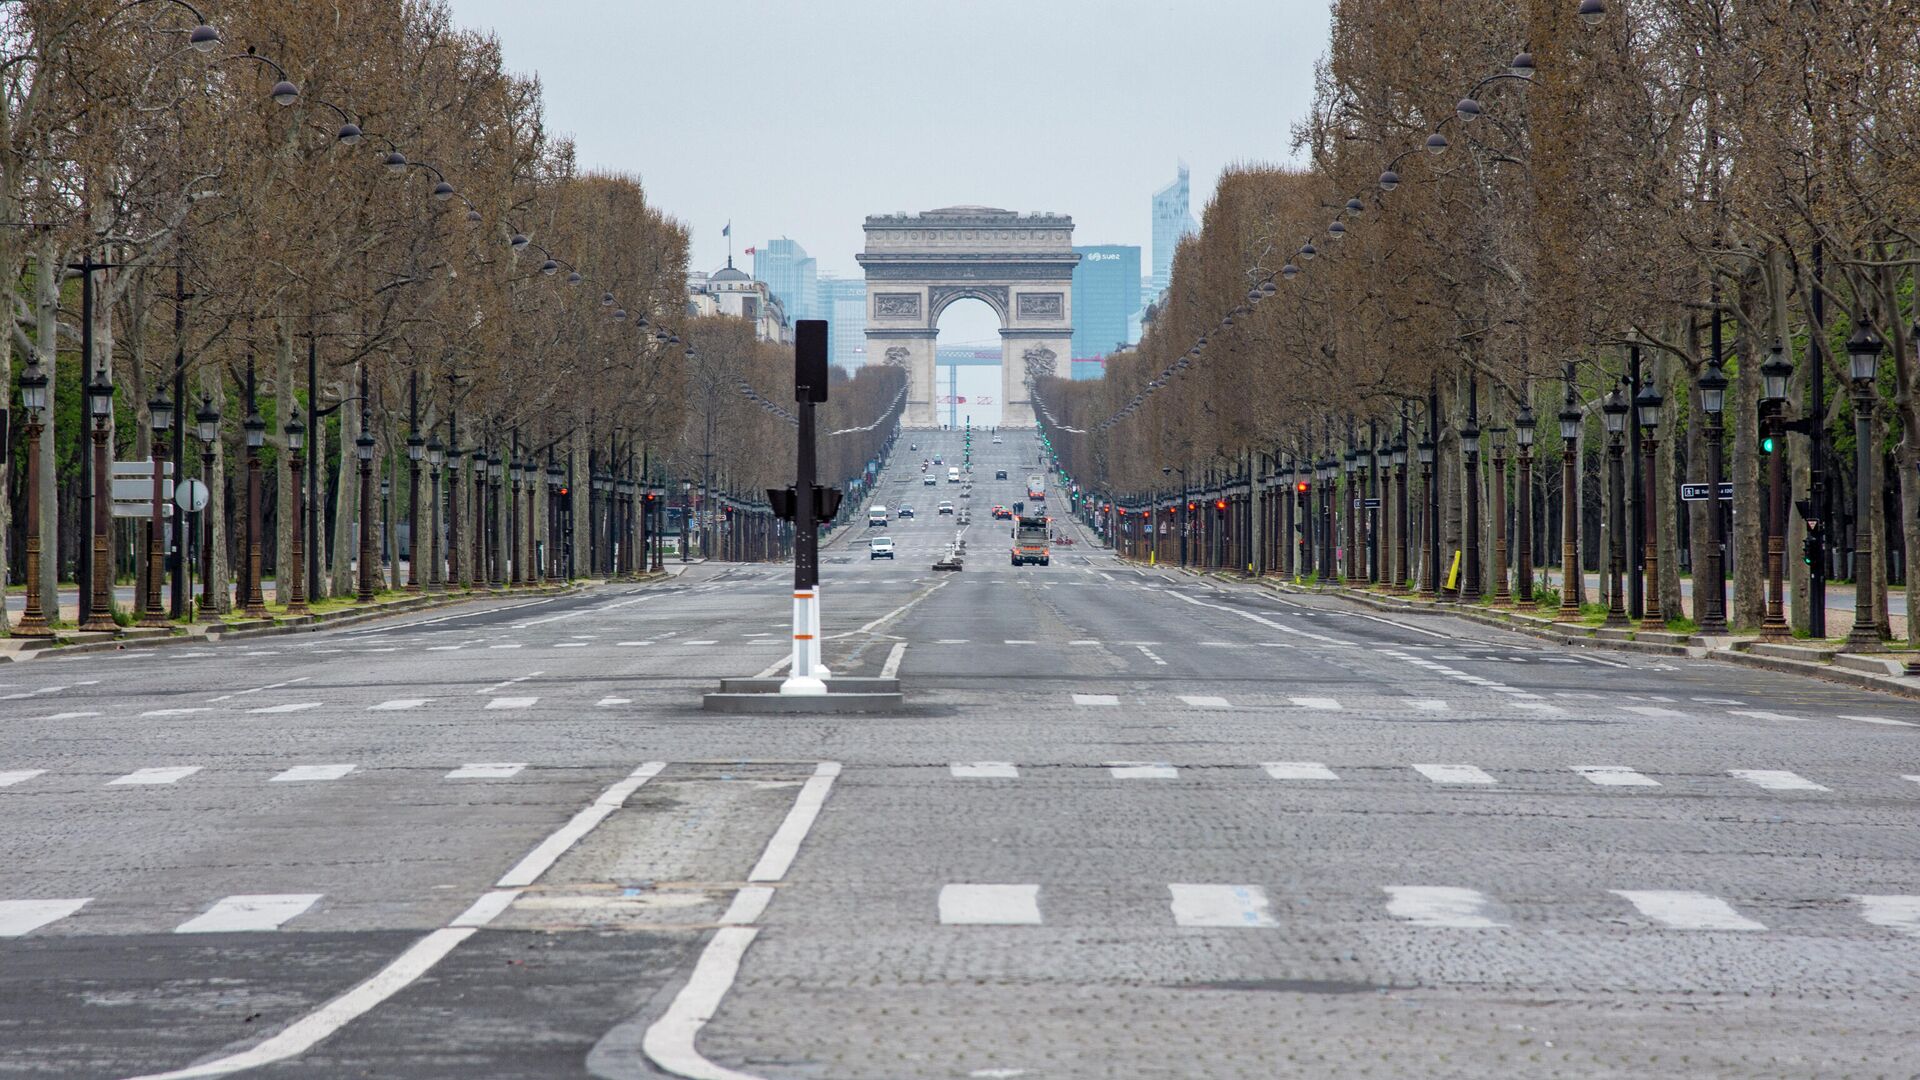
(1299, 770)
(1202, 701)
(1442, 905)
(1454, 774)
(1141, 770)
(990, 905)
(398, 704)
(290, 707)
(250, 912)
(494, 770)
(512, 702)
(166, 774)
(312, 772)
(16, 776)
(1776, 779)
(1615, 776)
(1236, 906)
(1683, 910)
(985, 770)
(1095, 699)
(21, 917)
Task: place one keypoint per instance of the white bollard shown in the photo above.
(819, 669)
(800, 677)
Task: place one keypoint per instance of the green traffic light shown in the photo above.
(1766, 445)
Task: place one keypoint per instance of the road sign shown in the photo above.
(1372, 504)
(191, 496)
(132, 489)
(1698, 492)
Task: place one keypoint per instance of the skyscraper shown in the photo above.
(1106, 297)
(843, 303)
(790, 275)
(1171, 220)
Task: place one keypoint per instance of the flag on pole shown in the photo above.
(728, 230)
(747, 251)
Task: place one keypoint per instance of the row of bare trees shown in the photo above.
(1503, 207)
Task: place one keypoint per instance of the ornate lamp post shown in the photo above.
(363, 450)
(296, 573)
(496, 555)
(206, 428)
(516, 563)
(436, 457)
(1355, 563)
(160, 412)
(1470, 453)
(1571, 576)
(1774, 375)
(1863, 363)
(1614, 411)
(1648, 406)
(33, 397)
(1523, 427)
(1502, 595)
(1710, 588)
(416, 450)
(1401, 551)
(256, 429)
(99, 609)
(1430, 512)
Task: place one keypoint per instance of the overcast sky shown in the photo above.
(800, 117)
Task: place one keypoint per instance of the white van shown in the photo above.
(953, 474)
(876, 515)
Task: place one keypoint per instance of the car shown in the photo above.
(996, 440)
(999, 474)
(912, 447)
(1001, 513)
(946, 507)
(936, 459)
(876, 515)
(928, 480)
(905, 511)
(880, 547)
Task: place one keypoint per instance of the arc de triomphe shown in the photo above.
(1020, 264)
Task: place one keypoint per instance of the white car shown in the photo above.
(876, 515)
(880, 547)
(946, 507)
(928, 481)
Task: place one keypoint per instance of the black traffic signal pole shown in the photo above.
(805, 674)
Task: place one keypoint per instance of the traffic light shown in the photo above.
(1219, 506)
(1302, 488)
(727, 512)
(1766, 444)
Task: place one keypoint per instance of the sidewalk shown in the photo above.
(1840, 596)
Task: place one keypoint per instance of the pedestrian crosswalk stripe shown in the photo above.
(1441, 905)
(313, 772)
(22, 917)
(986, 770)
(1200, 701)
(990, 905)
(499, 770)
(1221, 906)
(251, 912)
(1141, 770)
(1454, 774)
(1687, 910)
(1776, 779)
(1095, 699)
(512, 702)
(1615, 776)
(1298, 770)
(159, 775)
(398, 704)
(16, 776)
(1315, 702)
(290, 707)
(1901, 913)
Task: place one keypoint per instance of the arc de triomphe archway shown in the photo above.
(1020, 264)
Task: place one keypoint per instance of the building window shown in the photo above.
(750, 308)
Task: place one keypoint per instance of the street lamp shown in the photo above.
(99, 611)
(295, 570)
(416, 452)
(1502, 596)
(1523, 428)
(436, 457)
(1774, 375)
(1429, 497)
(517, 574)
(1863, 364)
(33, 397)
(363, 450)
(1614, 411)
(206, 428)
(686, 513)
(1647, 404)
(496, 556)
(256, 430)
(1571, 576)
(160, 414)
(1470, 455)
(1711, 593)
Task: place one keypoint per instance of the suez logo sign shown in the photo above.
(1102, 256)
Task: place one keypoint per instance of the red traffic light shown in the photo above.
(1220, 506)
(563, 492)
(1300, 487)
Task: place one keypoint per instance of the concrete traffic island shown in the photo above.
(761, 697)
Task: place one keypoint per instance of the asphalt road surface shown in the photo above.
(1131, 824)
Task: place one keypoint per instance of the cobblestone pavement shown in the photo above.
(1131, 824)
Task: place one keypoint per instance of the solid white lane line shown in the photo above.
(245, 913)
(1323, 703)
(1615, 776)
(990, 905)
(312, 772)
(1776, 779)
(21, 917)
(486, 771)
(779, 854)
(1887, 720)
(536, 862)
(1454, 774)
(1263, 621)
(159, 775)
(1095, 699)
(1221, 905)
(512, 702)
(290, 707)
(15, 776)
(487, 908)
(1201, 701)
(669, 1042)
(1901, 913)
(1442, 905)
(891, 669)
(1299, 770)
(1687, 910)
(1142, 770)
(748, 905)
(398, 704)
(986, 770)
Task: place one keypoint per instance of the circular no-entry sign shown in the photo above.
(191, 496)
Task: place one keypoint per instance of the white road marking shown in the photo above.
(1323, 703)
(398, 704)
(951, 641)
(1221, 905)
(1776, 779)
(236, 914)
(1263, 621)
(1083, 641)
(1150, 654)
(312, 772)
(1299, 770)
(290, 707)
(633, 643)
(990, 905)
(1019, 641)
(1540, 706)
(1201, 701)
(1442, 905)
(1141, 770)
(699, 643)
(1428, 704)
(21, 917)
(512, 702)
(447, 648)
(15, 776)
(748, 905)
(513, 645)
(504, 683)
(535, 862)
(487, 908)
(1687, 910)
(891, 669)
(1763, 715)
(778, 857)
(1095, 699)
(607, 701)
(1615, 776)
(175, 712)
(1901, 913)
(160, 775)
(1719, 701)
(571, 645)
(1454, 774)
(1655, 711)
(499, 770)
(1887, 720)
(986, 770)
(73, 715)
